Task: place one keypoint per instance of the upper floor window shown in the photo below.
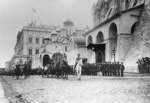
(37, 40)
(135, 2)
(37, 51)
(109, 13)
(30, 39)
(43, 42)
(65, 48)
(30, 51)
(127, 4)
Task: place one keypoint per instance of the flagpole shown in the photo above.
(33, 10)
(32, 16)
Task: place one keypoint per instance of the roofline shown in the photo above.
(113, 17)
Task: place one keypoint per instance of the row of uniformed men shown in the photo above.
(112, 69)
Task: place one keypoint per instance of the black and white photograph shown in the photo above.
(74, 51)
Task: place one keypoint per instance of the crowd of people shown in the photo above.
(107, 69)
(144, 65)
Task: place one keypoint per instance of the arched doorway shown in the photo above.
(99, 57)
(100, 51)
(113, 39)
(46, 60)
(133, 28)
(89, 51)
(57, 57)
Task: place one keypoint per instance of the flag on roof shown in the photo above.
(33, 10)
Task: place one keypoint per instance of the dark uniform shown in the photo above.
(101, 68)
(104, 69)
(110, 66)
(122, 69)
(118, 69)
(115, 69)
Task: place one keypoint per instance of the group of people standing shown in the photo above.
(144, 65)
(107, 68)
(112, 69)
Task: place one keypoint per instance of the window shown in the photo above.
(37, 51)
(30, 51)
(127, 4)
(37, 40)
(43, 41)
(65, 48)
(135, 2)
(110, 12)
(30, 39)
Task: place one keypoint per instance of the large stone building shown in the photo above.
(37, 43)
(114, 25)
(29, 41)
(59, 43)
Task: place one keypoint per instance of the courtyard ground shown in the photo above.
(90, 89)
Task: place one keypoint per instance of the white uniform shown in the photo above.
(79, 69)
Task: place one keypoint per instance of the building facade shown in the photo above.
(114, 24)
(76, 45)
(7, 66)
(36, 43)
(58, 42)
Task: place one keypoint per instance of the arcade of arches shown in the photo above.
(99, 48)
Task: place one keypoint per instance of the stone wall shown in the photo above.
(140, 41)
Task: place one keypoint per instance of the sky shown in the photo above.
(14, 14)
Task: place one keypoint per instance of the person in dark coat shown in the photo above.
(122, 69)
(17, 71)
(101, 68)
(110, 67)
(118, 69)
(115, 68)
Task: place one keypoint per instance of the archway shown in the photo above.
(57, 57)
(46, 60)
(112, 38)
(89, 51)
(99, 57)
(133, 28)
(100, 37)
(90, 39)
(113, 31)
(100, 51)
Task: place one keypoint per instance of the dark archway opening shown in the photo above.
(99, 57)
(46, 60)
(100, 37)
(90, 39)
(133, 28)
(113, 33)
(57, 58)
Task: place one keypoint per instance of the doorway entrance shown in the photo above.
(99, 58)
(46, 60)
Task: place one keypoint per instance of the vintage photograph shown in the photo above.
(74, 51)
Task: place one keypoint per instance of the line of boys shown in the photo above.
(112, 69)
